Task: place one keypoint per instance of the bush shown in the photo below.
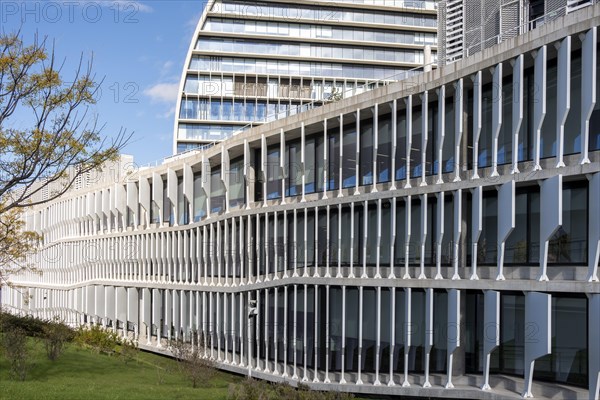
(104, 341)
(252, 389)
(14, 346)
(31, 326)
(56, 336)
(98, 339)
(190, 359)
(128, 350)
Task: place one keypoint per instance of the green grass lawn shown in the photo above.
(83, 374)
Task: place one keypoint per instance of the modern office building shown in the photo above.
(253, 62)
(468, 26)
(437, 237)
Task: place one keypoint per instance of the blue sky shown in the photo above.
(138, 47)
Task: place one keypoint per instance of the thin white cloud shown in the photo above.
(163, 92)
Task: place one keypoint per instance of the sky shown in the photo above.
(138, 50)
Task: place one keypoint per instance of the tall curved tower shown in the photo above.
(260, 61)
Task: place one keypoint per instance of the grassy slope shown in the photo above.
(82, 374)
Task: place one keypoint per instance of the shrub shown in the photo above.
(98, 339)
(14, 346)
(31, 326)
(190, 359)
(128, 350)
(252, 389)
(56, 336)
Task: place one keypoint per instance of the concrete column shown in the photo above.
(285, 332)
(365, 235)
(394, 143)
(589, 60)
(458, 125)
(295, 243)
(316, 245)
(477, 101)
(304, 341)
(360, 333)
(441, 122)
(325, 160)
(316, 340)
(423, 223)
(266, 369)
(517, 109)
(453, 331)
(343, 378)
(378, 251)
(539, 108)
(593, 227)
(491, 332)
(538, 319)
(440, 234)
(276, 331)
(392, 318)
(496, 114)
(249, 173)
(375, 146)
(551, 210)
(457, 233)
(563, 98)
(407, 229)
(408, 101)
(259, 248)
(594, 346)
(357, 175)
(257, 331)
(378, 337)
(408, 332)
(341, 158)
(351, 274)
(424, 138)
(327, 338)
(393, 205)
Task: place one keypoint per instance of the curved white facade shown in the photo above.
(250, 63)
(420, 239)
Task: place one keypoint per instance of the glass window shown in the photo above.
(199, 198)
(485, 137)
(310, 165)
(167, 206)
(384, 148)
(217, 191)
(522, 246)
(416, 164)
(487, 245)
(349, 156)
(569, 243)
(568, 361)
(182, 204)
(294, 169)
(333, 158)
(448, 162)
(366, 152)
(401, 129)
(272, 169)
(573, 123)
(237, 192)
(548, 133)
(510, 355)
